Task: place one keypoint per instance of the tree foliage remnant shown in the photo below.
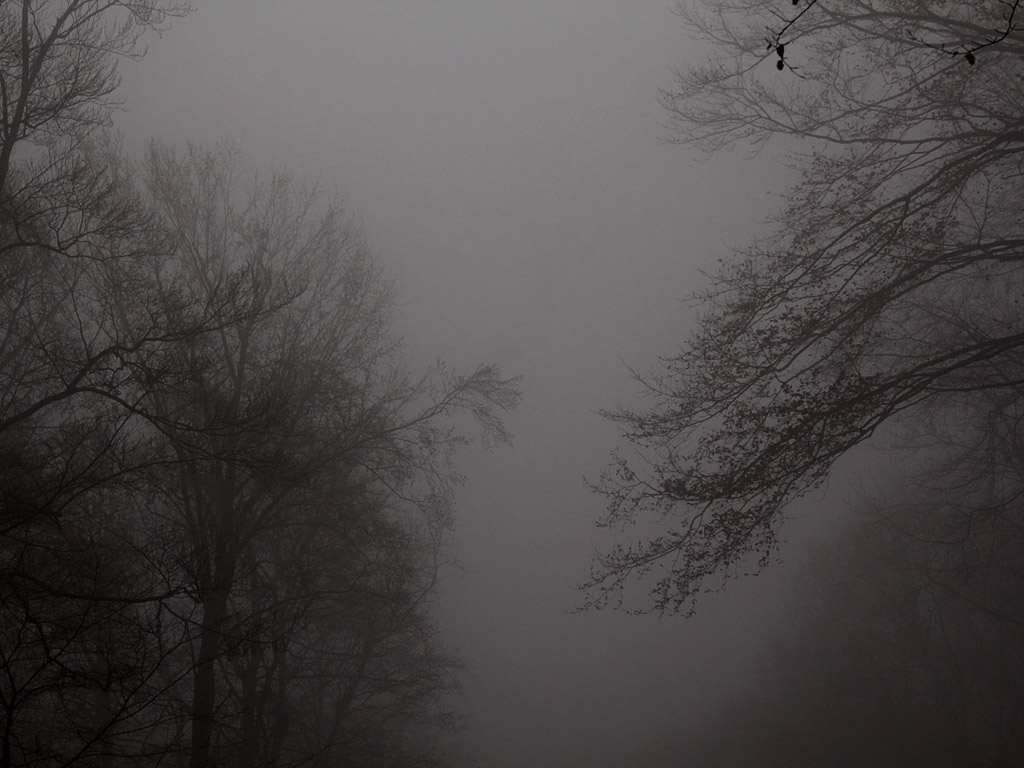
(892, 279)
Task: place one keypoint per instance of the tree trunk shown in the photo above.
(5, 753)
(249, 746)
(205, 690)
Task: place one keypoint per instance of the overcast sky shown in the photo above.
(505, 160)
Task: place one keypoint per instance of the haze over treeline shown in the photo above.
(233, 493)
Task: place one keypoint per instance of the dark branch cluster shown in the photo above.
(224, 501)
(890, 284)
(1005, 26)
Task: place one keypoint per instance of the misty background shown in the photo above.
(505, 161)
(260, 501)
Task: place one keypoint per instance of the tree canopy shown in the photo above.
(224, 496)
(891, 281)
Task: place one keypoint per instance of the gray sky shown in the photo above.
(504, 159)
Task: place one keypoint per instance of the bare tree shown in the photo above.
(65, 391)
(70, 229)
(336, 657)
(90, 641)
(86, 656)
(892, 278)
(86, 644)
(180, 370)
(307, 384)
(58, 67)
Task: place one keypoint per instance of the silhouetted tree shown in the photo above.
(58, 74)
(892, 279)
(222, 496)
(67, 399)
(307, 385)
(85, 642)
(71, 227)
(91, 643)
(339, 658)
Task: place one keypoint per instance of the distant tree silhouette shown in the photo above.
(900, 646)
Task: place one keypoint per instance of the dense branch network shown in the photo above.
(892, 281)
(224, 500)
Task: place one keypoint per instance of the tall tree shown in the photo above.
(83, 647)
(305, 388)
(892, 279)
(337, 657)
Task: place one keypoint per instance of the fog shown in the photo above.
(506, 162)
(264, 348)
